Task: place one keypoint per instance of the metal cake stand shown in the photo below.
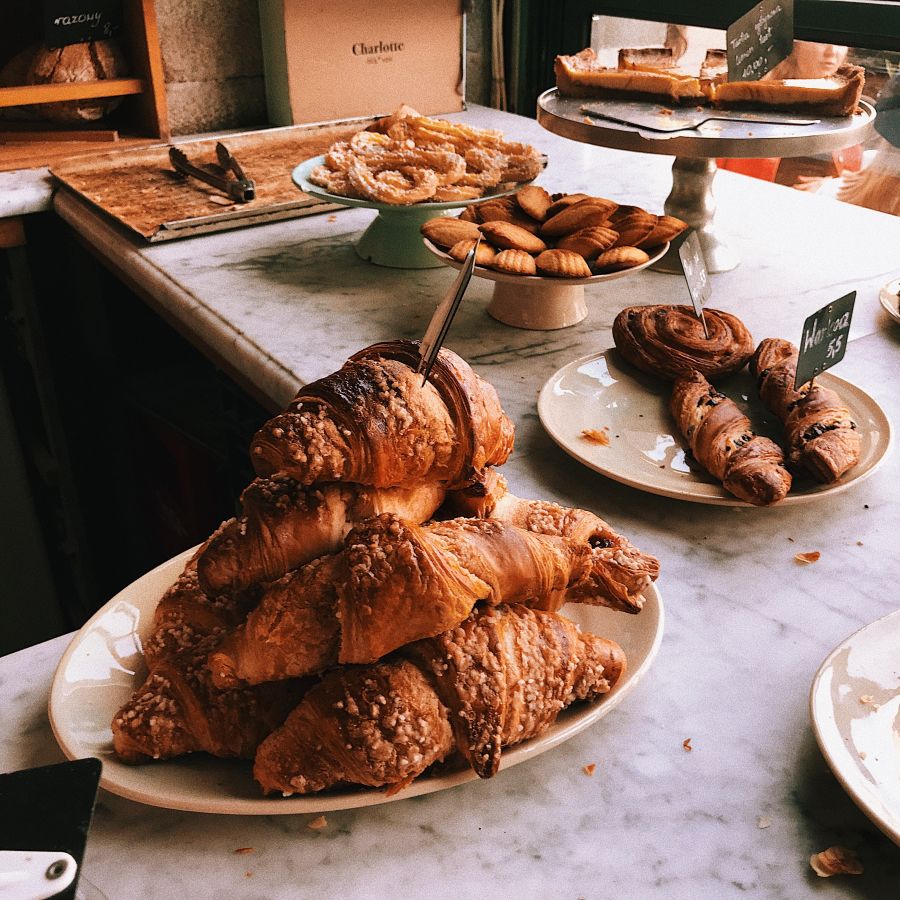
(695, 148)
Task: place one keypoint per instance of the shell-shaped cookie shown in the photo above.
(666, 228)
(445, 231)
(534, 201)
(589, 242)
(516, 262)
(619, 258)
(507, 236)
(634, 228)
(562, 264)
(561, 201)
(505, 209)
(584, 214)
(469, 214)
(484, 255)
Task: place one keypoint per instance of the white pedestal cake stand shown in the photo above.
(695, 150)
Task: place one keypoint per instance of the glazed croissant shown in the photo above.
(617, 566)
(499, 677)
(395, 582)
(722, 440)
(669, 342)
(375, 422)
(286, 524)
(821, 436)
(177, 709)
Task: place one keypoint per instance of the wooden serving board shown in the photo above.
(140, 189)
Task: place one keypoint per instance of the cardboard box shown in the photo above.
(326, 60)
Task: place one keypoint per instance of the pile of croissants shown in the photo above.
(383, 604)
(821, 439)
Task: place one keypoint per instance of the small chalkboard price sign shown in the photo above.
(824, 340)
(82, 20)
(759, 40)
(694, 267)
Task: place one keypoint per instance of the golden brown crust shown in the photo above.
(821, 436)
(515, 262)
(589, 242)
(508, 236)
(617, 258)
(583, 214)
(562, 264)
(668, 341)
(722, 440)
(499, 677)
(375, 422)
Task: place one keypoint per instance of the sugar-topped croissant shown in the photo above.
(286, 524)
(177, 709)
(394, 583)
(375, 422)
(820, 433)
(723, 441)
(499, 677)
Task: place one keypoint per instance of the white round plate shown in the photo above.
(889, 296)
(103, 666)
(601, 393)
(854, 705)
(300, 177)
(511, 278)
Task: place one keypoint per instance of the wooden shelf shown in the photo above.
(27, 94)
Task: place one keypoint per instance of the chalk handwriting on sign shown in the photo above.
(759, 40)
(695, 274)
(75, 22)
(824, 340)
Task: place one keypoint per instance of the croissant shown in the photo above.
(499, 677)
(286, 524)
(821, 436)
(617, 566)
(177, 709)
(375, 422)
(395, 582)
(722, 440)
(669, 342)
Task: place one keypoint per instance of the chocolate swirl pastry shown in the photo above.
(668, 341)
(820, 434)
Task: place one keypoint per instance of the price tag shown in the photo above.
(760, 39)
(824, 340)
(67, 22)
(693, 265)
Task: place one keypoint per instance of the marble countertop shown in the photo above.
(747, 626)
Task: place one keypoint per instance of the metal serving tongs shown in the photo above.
(443, 316)
(240, 188)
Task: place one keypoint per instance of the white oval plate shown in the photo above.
(103, 666)
(645, 451)
(889, 296)
(854, 706)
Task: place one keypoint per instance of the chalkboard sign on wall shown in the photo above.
(759, 40)
(67, 22)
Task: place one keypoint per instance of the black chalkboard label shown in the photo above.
(75, 22)
(694, 267)
(824, 340)
(760, 39)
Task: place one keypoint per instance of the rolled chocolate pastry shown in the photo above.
(722, 440)
(668, 341)
(820, 433)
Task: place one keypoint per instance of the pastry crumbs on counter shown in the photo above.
(595, 436)
(862, 755)
(318, 824)
(866, 699)
(244, 850)
(248, 874)
(859, 543)
(811, 557)
(836, 861)
(589, 769)
(763, 821)
(665, 112)
(332, 218)
(686, 743)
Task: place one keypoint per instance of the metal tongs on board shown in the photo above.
(228, 176)
(439, 325)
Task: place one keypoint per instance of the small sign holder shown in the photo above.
(759, 40)
(824, 340)
(693, 265)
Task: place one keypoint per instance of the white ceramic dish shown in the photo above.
(889, 296)
(538, 302)
(645, 451)
(854, 706)
(103, 665)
